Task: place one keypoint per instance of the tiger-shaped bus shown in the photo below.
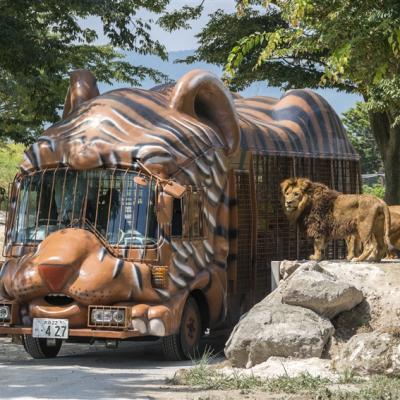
(157, 212)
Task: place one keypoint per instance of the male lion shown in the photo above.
(327, 214)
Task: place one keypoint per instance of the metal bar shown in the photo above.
(74, 199)
(122, 197)
(51, 201)
(109, 202)
(59, 217)
(134, 207)
(26, 223)
(150, 188)
(40, 200)
(98, 200)
(188, 217)
(10, 218)
(85, 200)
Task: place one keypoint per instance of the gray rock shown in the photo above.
(287, 267)
(370, 353)
(274, 329)
(320, 291)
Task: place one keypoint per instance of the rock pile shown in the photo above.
(371, 353)
(337, 310)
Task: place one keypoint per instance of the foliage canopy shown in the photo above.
(41, 41)
(352, 45)
(356, 121)
(355, 43)
(224, 32)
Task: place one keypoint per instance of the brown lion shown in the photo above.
(327, 214)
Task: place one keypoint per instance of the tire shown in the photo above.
(38, 347)
(184, 345)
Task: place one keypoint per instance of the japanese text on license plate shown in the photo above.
(50, 328)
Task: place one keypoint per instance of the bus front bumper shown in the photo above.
(86, 332)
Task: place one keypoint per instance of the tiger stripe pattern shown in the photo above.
(193, 133)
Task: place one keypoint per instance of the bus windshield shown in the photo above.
(107, 201)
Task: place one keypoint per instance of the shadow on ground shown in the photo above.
(135, 370)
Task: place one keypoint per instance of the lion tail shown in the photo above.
(387, 227)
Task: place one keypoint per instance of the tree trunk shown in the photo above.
(388, 139)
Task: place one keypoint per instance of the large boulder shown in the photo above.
(321, 292)
(280, 330)
(370, 353)
(380, 283)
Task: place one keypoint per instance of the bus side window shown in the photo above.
(176, 226)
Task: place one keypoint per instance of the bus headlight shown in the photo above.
(118, 316)
(5, 313)
(103, 316)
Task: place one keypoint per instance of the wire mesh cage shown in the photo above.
(276, 238)
(107, 202)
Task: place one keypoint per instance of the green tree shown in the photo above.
(11, 156)
(223, 31)
(353, 45)
(41, 41)
(357, 123)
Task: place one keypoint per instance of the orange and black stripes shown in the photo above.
(300, 124)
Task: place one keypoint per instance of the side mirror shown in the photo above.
(174, 189)
(164, 208)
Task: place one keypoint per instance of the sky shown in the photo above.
(182, 39)
(179, 43)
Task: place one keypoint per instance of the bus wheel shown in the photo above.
(185, 344)
(38, 347)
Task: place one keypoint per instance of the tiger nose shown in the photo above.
(55, 275)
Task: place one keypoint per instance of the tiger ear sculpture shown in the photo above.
(82, 87)
(202, 95)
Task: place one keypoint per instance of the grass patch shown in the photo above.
(348, 376)
(205, 377)
(210, 379)
(378, 388)
(298, 384)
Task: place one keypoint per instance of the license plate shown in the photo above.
(50, 328)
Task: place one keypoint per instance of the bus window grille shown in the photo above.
(106, 202)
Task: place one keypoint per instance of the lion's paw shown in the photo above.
(159, 320)
(152, 320)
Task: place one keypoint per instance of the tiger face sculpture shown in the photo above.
(184, 133)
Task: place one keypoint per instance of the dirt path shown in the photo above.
(133, 371)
